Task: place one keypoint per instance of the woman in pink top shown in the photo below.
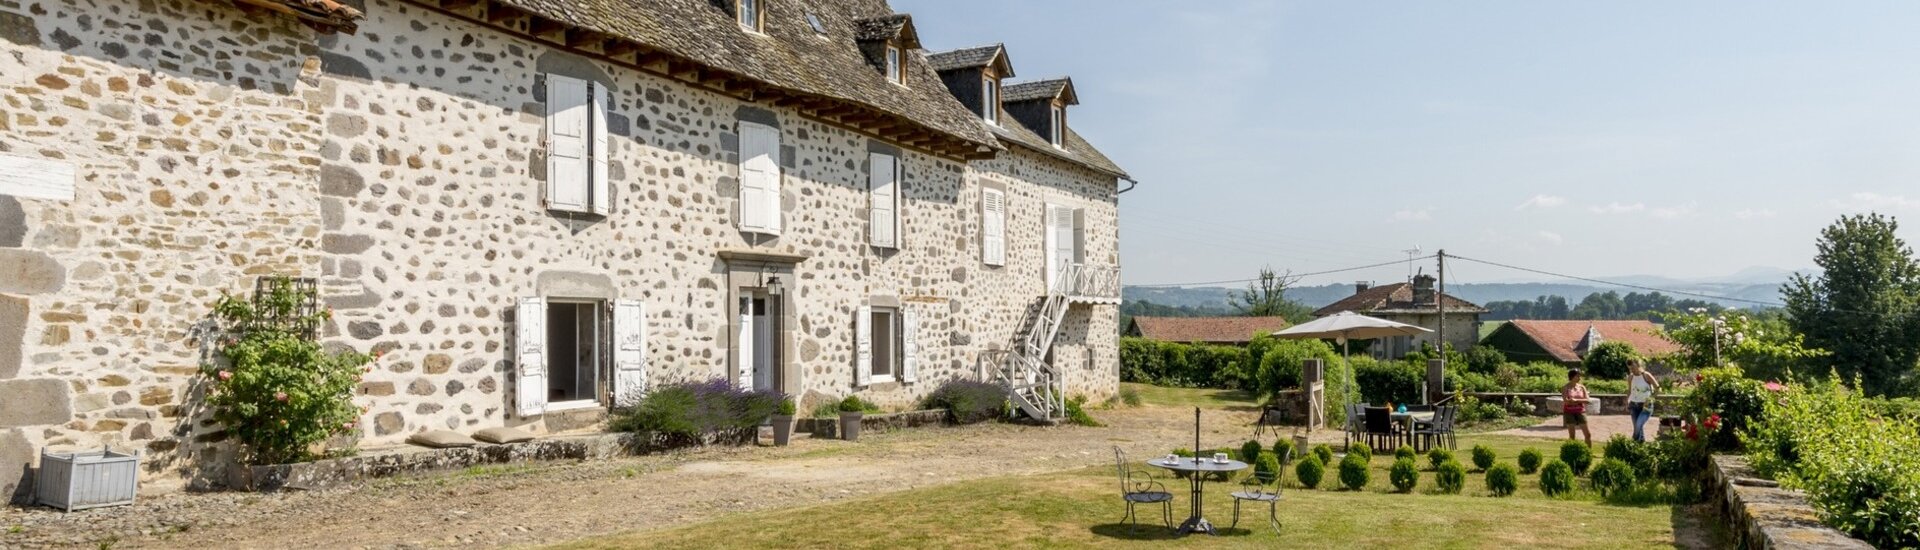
(1574, 408)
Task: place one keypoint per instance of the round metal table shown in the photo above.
(1197, 470)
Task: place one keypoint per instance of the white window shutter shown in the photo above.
(568, 151)
(598, 197)
(883, 201)
(863, 346)
(759, 178)
(745, 358)
(909, 346)
(1051, 237)
(530, 337)
(993, 227)
(629, 352)
(1079, 235)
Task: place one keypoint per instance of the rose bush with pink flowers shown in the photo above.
(275, 390)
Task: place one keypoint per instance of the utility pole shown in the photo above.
(1440, 336)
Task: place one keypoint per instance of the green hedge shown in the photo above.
(1184, 365)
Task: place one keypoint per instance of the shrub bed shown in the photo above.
(969, 401)
(1860, 469)
(691, 410)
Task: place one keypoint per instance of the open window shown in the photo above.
(571, 352)
(887, 345)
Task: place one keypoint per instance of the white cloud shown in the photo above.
(1674, 213)
(1410, 215)
(1542, 201)
(1876, 201)
(1549, 237)
(1754, 214)
(1618, 208)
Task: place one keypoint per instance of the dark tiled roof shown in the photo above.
(1076, 149)
(1212, 330)
(790, 56)
(964, 58)
(1038, 89)
(1564, 340)
(1394, 298)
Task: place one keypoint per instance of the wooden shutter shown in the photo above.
(530, 337)
(993, 227)
(745, 359)
(759, 178)
(909, 345)
(1079, 230)
(598, 197)
(883, 200)
(863, 346)
(568, 152)
(629, 352)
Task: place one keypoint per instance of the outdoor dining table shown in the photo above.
(1411, 419)
(1197, 469)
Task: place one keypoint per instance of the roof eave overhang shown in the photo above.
(1055, 152)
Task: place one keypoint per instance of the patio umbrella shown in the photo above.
(1345, 326)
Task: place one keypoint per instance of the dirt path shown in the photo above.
(525, 505)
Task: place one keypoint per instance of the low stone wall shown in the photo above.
(1610, 403)
(1762, 516)
(873, 423)
(413, 460)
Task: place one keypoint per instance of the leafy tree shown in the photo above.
(1609, 360)
(1762, 344)
(1266, 296)
(1865, 304)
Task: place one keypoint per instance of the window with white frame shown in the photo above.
(577, 147)
(990, 100)
(883, 200)
(572, 353)
(896, 72)
(887, 345)
(1065, 241)
(1059, 126)
(993, 227)
(759, 178)
(750, 16)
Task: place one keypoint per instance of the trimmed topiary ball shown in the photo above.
(1406, 452)
(1577, 455)
(1250, 451)
(1612, 476)
(1483, 457)
(1404, 474)
(1283, 449)
(1502, 480)
(1324, 452)
(1267, 469)
(1354, 473)
(1556, 478)
(1530, 461)
(1450, 477)
(1364, 452)
(1439, 456)
(1309, 471)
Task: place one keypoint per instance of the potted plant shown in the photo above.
(783, 423)
(852, 409)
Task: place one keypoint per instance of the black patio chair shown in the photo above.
(1440, 430)
(1381, 433)
(1254, 489)
(1138, 487)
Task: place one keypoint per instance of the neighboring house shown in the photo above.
(1567, 342)
(535, 210)
(1414, 303)
(1232, 331)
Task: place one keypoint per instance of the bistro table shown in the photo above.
(1411, 419)
(1197, 469)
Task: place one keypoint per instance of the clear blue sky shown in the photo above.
(1686, 139)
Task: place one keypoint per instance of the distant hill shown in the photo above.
(1479, 293)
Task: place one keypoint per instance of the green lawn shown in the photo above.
(1205, 398)
(1081, 509)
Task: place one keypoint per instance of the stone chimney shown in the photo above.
(1361, 286)
(1423, 290)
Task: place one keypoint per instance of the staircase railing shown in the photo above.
(1037, 388)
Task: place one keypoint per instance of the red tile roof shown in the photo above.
(1397, 297)
(1212, 330)
(1562, 339)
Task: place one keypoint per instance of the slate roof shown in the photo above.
(1038, 89)
(1076, 149)
(1212, 330)
(885, 27)
(789, 56)
(964, 58)
(1564, 339)
(1393, 298)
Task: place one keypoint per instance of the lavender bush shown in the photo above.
(694, 409)
(969, 401)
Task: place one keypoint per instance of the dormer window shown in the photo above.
(750, 16)
(1059, 126)
(990, 100)
(895, 73)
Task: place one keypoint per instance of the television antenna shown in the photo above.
(1411, 252)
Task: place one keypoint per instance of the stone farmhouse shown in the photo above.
(1415, 303)
(534, 209)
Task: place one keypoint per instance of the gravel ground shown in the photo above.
(553, 502)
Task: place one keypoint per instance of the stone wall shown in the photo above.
(402, 165)
(1760, 515)
(195, 141)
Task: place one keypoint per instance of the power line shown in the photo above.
(1293, 275)
(1619, 284)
